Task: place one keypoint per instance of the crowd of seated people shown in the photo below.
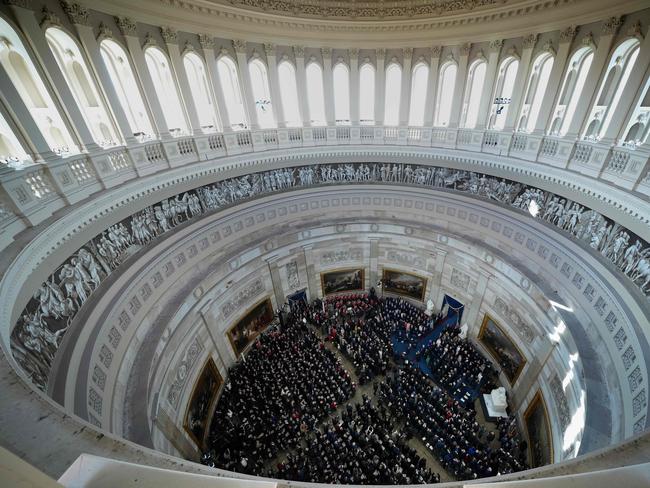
(456, 365)
(361, 446)
(285, 385)
(449, 431)
(356, 325)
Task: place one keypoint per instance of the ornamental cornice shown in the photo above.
(76, 13)
(169, 35)
(126, 25)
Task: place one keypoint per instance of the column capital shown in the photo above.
(354, 53)
(381, 53)
(206, 41)
(126, 25)
(326, 52)
(436, 51)
(611, 25)
(269, 49)
(76, 13)
(569, 34)
(530, 40)
(239, 45)
(465, 49)
(169, 35)
(496, 44)
(299, 51)
(407, 53)
(49, 19)
(636, 30)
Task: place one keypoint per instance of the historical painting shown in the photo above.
(406, 284)
(202, 403)
(502, 348)
(250, 326)
(540, 441)
(341, 280)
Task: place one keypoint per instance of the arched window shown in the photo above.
(85, 92)
(315, 94)
(230, 87)
(574, 82)
(367, 94)
(341, 93)
(261, 93)
(126, 87)
(473, 90)
(419, 81)
(201, 92)
(393, 94)
(22, 72)
(535, 90)
(445, 93)
(166, 90)
(636, 131)
(503, 93)
(611, 89)
(289, 93)
(11, 152)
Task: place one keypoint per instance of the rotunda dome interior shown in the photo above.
(344, 243)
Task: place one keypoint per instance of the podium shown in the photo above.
(495, 404)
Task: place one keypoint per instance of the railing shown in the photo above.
(627, 168)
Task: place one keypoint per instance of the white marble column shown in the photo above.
(354, 86)
(459, 86)
(128, 28)
(328, 86)
(405, 91)
(520, 82)
(34, 143)
(246, 87)
(380, 86)
(276, 280)
(373, 261)
(313, 284)
(301, 84)
(472, 312)
(204, 314)
(36, 36)
(274, 85)
(488, 85)
(91, 46)
(552, 88)
(170, 37)
(432, 84)
(588, 94)
(207, 46)
(617, 124)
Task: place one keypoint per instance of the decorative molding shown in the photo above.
(436, 51)
(149, 41)
(299, 51)
(380, 53)
(353, 53)
(183, 370)
(611, 25)
(636, 30)
(459, 280)
(293, 279)
(188, 47)
(569, 34)
(127, 26)
(548, 47)
(269, 49)
(530, 40)
(76, 13)
(405, 259)
(245, 294)
(588, 40)
(465, 49)
(169, 34)
(510, 314)
(341, 256)
(496, 44)
(407, 53)
(561, 403)
(326, 52)
(206, 41)
(239, 45)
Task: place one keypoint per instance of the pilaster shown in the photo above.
(380, 86)
(435, 293)
(207, 46)
(274, 85)
(432, 83)
(459, 87)
(488, 85)
(520, 82)
(354, 86)
(373, 261)
(312, 276)
(405, 92)
(246, 87)
(328, 86)
(301, 83)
